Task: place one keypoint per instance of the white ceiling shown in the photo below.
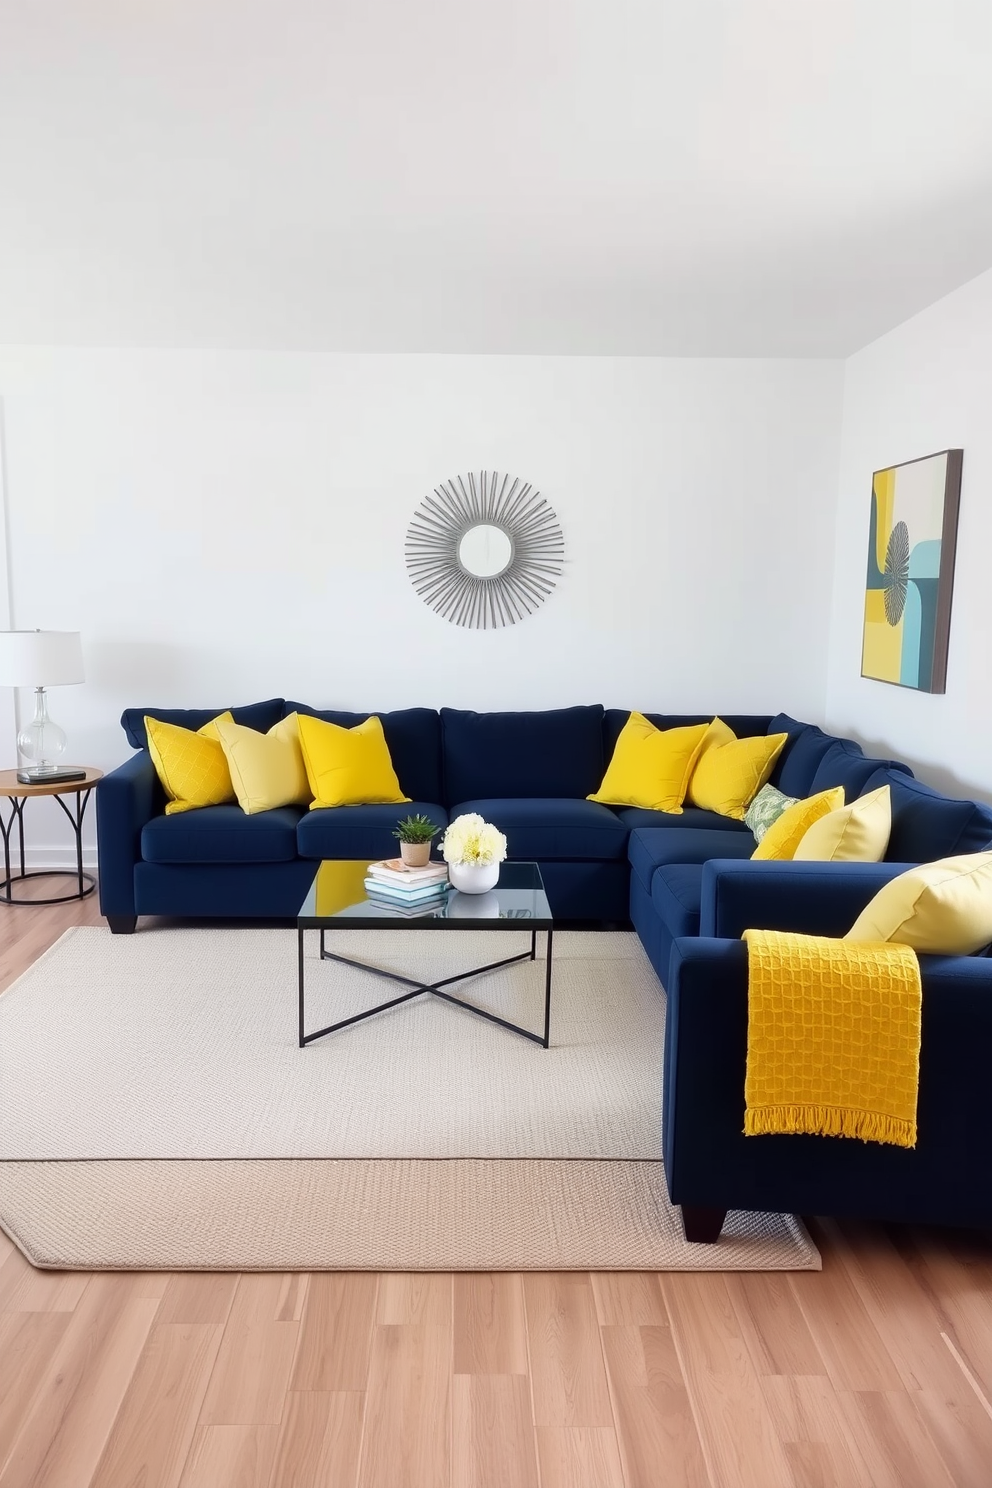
(685, 177)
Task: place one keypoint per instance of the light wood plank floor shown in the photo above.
(875, 1372)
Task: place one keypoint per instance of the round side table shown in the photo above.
(17, 792)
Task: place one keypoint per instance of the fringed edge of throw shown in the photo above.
(830, 1121)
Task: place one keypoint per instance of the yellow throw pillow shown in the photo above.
(857, 834)
(944, 908)
(191, 766)
(651, 766)
(730, 770)
(348, 767)
(785, 834)
(267, 770)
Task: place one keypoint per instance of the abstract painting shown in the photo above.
(911, 542)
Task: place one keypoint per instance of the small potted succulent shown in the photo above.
(415, 834)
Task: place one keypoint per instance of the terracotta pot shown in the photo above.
(415, 854)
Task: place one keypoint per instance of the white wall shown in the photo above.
(925, 386)
(226, 527)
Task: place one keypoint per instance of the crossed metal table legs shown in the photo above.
(418, 987)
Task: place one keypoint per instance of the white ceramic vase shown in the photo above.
(473, 878)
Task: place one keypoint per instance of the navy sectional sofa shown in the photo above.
(527, 772)
(687, 883)
(711, 1167)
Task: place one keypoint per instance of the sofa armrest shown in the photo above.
(710, 1164)
(808, 898)
(126, 799)
(704, 1062)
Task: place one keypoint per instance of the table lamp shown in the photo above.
(41, 659)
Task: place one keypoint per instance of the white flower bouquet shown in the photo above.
(471, 841)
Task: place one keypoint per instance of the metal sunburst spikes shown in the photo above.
(435, 551)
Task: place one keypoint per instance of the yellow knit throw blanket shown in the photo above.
(833, 1038)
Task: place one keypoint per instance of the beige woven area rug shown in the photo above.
(156, 1111)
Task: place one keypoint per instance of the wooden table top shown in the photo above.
(11, 786)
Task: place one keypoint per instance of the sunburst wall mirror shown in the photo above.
(484, 550)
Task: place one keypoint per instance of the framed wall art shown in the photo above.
(911, 543)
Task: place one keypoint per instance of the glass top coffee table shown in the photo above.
(337, 901)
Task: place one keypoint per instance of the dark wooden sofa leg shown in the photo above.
(122, 924)
(702, 1225)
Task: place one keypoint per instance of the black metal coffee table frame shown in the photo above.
(418, 988)
(435, 987)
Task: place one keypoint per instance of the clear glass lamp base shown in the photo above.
(42, 742)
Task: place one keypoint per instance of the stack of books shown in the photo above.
(391, 885)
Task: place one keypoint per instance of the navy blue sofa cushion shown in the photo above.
(260, 716)
(744, 725)
(677, 893)
(221, 834)
(413, 737)
(694, 817)
(505, 756)
(541, 828)
(798, 761)
(927, 825)
(845, 764)
(649, 849)
(359, 831)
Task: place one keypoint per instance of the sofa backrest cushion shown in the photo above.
(744, 725)
(260, 716)
(413, 736)
(845, 764)
(927, 825)
(557, 752)
(804, 749)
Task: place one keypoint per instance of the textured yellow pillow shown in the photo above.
(651, 766)
(857, 834)
(348, 767)
(785, 834)
(267, 770)
(730, 770)
(944, 908)
(191, 766)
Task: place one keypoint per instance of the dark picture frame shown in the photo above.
(912, 544)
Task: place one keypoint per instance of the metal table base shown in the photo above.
(85, 882)
(418, 988)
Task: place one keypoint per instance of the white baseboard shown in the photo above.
(52, 857)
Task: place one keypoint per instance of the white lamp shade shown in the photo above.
(40, 658)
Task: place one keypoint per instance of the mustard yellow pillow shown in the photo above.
(943, 908)
(191, 766)
(730, 770)
(267, 770)
(348, 767)
(785, 834)
(857, 834)
(651, 766)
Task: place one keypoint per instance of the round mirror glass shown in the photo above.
(485, 551)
